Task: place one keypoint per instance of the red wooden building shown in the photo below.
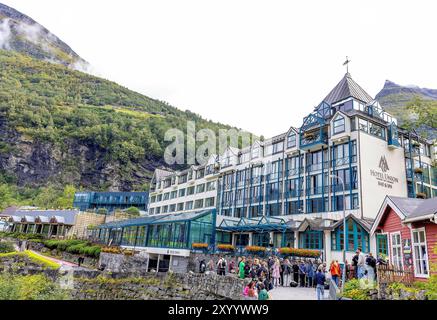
(405, 230)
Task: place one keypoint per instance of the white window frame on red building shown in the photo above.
(401, 266)
(416, 274)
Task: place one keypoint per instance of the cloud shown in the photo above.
(5, 34)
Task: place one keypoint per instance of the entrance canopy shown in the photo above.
(264, 224)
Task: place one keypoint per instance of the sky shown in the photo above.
(257, 65)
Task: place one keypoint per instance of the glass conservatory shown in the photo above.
(160, 231)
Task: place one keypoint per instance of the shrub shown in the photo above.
(6, 247)
(354, 290)
(34, 287)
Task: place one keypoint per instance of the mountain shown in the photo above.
(60, 126)
(395, 98)
(21, 33)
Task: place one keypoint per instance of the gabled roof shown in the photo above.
(347, 88)
(408, 209)
(365, 223)
(61, 216)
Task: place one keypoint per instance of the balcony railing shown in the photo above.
(313, 139)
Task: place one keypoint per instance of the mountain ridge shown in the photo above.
(20, 33)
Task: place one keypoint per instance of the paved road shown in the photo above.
(288, 293)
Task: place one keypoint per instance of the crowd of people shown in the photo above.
(266, 274)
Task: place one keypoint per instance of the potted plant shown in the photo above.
(307, 253)
(418, 170)
(199, 246)
(421, 195)
(255, 249)
(225, 247)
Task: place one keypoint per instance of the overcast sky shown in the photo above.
(257, 65)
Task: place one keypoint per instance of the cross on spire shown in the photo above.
(346, 63)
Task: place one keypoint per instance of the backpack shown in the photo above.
(223, 264)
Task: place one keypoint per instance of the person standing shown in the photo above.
(302, 273)
(310, 274)
(241, 270)
(210, 265)
(361, 263)
(355, 265)
(221, 266)
(320, 283)
(334, 269)
(287, 272)
(295, 270)
(276, 273)
(371, 267)
(202, 266)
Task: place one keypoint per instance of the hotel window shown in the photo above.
(152, 199)
(182, 193)
(311, 239)
(278, 147)
(268, 150)
(255, 152)
(174, 194)
(363, 125)
(210, 186)
(183, 178)
(200, 188)
(376, 130)
(291, 140)
(166, 196)
(198, 204)
(180, 206)
(200, 173)
(167, 183)
(381, 244)
(164, 209)
(159, 198)
(189, 205)
(172, 208)
(356, 237)
(420, 253)
(190, 191)
(209, 202)
(396, 249)
(157, 210)
(151, 210)
(339, 125)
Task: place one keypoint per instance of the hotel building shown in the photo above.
(291, 190)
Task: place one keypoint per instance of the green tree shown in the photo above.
(6, 196)
(133, 211)
(65, 201)
(425, 112)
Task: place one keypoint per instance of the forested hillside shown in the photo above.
(63, 127)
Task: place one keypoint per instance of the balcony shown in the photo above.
(314, 139)
(393, 137)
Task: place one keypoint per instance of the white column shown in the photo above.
(296, 239)
(327, 246)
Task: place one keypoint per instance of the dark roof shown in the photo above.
(346, 88)
(414, 208)
(8, 211)
(62, 216)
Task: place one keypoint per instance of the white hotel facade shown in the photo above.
(285, 191)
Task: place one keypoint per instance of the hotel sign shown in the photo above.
(384, 179)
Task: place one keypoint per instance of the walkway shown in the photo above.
(65, 265)
(289, 293)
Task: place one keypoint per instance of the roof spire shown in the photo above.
(346, 63)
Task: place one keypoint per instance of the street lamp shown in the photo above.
(343, 278)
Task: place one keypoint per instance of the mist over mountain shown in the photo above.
(20, 33)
